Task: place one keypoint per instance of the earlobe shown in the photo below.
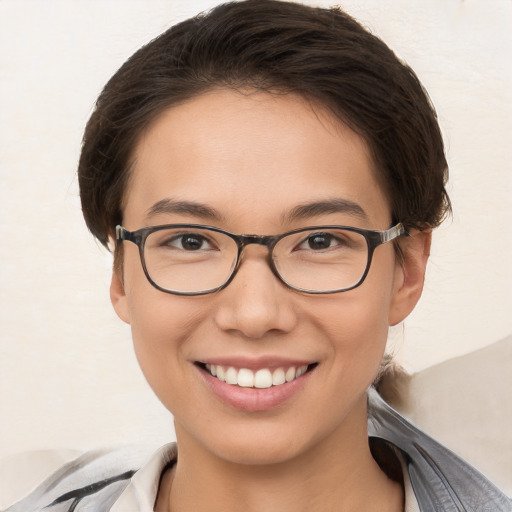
(411, 275)
(118, 297)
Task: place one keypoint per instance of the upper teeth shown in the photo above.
(263, 378)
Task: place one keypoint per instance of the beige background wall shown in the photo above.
(68, 377)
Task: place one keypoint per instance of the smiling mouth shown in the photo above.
(259, 379)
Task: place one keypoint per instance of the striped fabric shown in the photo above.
(102, 481)
(124, 481)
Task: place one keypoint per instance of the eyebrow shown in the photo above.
(301, 211)
(169, 206)
(316, 208)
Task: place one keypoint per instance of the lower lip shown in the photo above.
(254, 399)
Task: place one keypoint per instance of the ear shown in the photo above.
(410, 274)
(118, 297)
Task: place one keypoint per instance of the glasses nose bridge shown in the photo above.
(267, 241)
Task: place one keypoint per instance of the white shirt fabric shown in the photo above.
(140, 494)
(125, 481)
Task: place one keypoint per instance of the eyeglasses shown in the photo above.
(192, 259)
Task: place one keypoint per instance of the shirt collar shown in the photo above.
(140, 494)
(143, 487)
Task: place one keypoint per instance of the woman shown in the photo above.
(269, 175)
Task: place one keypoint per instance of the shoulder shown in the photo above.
(100, 475)
(23, 471)
(440, 479)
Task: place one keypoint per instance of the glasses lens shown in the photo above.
(322, 260)
(189, 260)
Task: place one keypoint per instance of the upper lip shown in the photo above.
(252, 363)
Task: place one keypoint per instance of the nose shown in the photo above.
(256, 303)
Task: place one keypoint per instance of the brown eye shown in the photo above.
(191, 243)
(188, 242)
(320, 241)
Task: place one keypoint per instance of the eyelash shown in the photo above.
(181, 237)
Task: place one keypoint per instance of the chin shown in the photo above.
(261, 452)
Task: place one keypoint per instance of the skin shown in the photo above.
(253, 158)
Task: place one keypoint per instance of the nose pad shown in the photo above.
(256, 302)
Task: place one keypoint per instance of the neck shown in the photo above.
(337, 474)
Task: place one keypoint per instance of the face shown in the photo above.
(244, 163)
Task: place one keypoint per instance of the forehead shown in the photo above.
(250, 156)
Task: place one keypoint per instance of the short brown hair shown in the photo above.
(279, 47)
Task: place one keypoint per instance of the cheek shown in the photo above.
(358, 332)
(357, 325)
(161, 324)
(158, 320)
